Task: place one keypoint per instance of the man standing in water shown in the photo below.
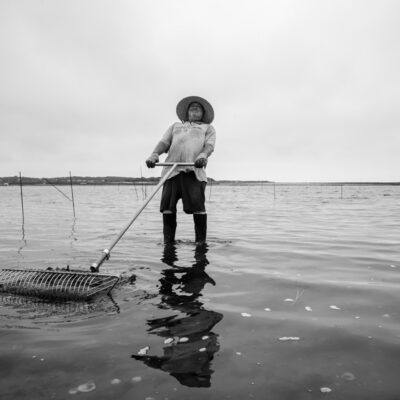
(191, 140)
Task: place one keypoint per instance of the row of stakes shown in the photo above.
(71, 199)
(144, 193)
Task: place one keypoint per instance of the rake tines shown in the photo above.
(55, 284)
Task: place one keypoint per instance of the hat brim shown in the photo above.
(183, 105)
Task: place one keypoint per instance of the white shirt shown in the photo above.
(185, 143)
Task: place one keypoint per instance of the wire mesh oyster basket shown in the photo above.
(65, 284)
(72, 285)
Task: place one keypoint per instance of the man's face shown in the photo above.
(195, 112)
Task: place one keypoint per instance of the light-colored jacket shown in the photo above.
(187, 142)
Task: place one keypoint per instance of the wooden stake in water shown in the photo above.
(22, 199)
(137, 196)
(141, 183)
(72, 193)
(274, 192)
(134, 185)
(341, 191)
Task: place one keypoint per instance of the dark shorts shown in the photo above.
(184, 186)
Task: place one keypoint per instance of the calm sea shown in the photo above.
(295, 296)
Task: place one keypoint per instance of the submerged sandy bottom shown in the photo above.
(293, 297)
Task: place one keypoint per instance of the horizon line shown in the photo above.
(213, 180)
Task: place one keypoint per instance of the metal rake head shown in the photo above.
(55, 284)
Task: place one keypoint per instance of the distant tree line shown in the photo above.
(79, 180)
(120, 180)
(76, 180)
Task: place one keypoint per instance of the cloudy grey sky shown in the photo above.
(303, 90)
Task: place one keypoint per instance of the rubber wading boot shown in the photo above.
(169, 227)
(200, 227)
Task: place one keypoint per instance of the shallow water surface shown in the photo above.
(294, 296)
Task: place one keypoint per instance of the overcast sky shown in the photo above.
(303, 90)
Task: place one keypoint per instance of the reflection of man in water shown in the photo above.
(188, 358)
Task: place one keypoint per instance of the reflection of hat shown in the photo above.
(183, 105)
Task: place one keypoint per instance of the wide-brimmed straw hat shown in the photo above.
(183, 105)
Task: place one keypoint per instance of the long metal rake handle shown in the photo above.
(106, 252)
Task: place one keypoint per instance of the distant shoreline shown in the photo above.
(126, 181)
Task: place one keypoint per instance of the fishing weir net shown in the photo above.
(68, 285)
